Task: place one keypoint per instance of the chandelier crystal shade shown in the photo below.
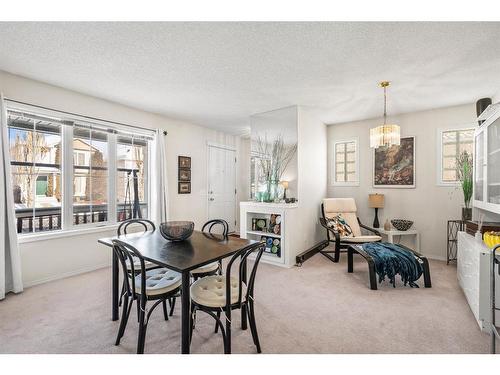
(385, 135)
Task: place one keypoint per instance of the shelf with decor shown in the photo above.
(268, 222)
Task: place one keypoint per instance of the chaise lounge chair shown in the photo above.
(330, 208)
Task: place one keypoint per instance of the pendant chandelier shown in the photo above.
(385, 135)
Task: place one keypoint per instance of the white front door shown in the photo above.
(222, 185)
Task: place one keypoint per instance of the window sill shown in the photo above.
(346, 184)
(27, 238)
(448, 184)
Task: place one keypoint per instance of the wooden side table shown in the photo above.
(390, 234)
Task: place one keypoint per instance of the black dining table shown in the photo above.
(181, 256)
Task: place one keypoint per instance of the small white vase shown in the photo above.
(478, 236)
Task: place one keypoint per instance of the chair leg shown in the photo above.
(216, 325)
(253, 326)
(193, 321)
(172, 305)
(337, 254)
(142, 326)
(227, 345)
(121, 294)
(165, 311)
(138, 309)
(123, 323)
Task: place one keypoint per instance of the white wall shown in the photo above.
(50, 259)
(312, 180)
(428, 205)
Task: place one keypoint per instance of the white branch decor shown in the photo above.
(275, 157)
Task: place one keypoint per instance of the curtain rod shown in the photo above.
(76, 114)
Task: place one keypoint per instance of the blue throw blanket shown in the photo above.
(391, 260)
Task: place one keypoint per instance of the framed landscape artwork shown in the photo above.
(394, 166)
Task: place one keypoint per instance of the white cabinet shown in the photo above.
(473, 272)
(267, 216)
(487, 164)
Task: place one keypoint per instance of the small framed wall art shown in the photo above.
(184, 175)
(185, 162)
(184, 187)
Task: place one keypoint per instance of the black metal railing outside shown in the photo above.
(49, 218)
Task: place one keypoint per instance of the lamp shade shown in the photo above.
(376, 200)
(284, 184)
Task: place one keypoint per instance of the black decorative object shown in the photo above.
(466, 213)
(376, 224)
(376, 201)
(177, 230)
(184, 175)
(454, 226)
(401, 224)
(481, 105)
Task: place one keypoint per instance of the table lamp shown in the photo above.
(285, 186)
(376, 201)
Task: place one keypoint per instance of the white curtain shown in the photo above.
(10, 258)
(159, 189)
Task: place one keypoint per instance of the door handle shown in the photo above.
(211, 199)
(210, 192)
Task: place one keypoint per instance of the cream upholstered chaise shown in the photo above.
(332, 207)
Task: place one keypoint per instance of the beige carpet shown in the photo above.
(318, 308)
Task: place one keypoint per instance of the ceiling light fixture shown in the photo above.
(385, 135)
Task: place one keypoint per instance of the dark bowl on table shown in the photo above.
(401, 224)
(177, 230)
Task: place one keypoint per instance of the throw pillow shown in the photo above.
(339, 225)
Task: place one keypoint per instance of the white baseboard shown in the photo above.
(65, 274)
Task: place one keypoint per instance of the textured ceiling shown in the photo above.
(218, 74)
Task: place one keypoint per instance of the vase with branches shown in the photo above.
(464, 175)
(274, 158)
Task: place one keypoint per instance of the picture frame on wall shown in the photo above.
(394, 166)
(184, 188)
(185, 162)
(184, 174)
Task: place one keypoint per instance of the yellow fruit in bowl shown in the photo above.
(488, 240)
(491, 239)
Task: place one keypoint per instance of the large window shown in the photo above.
(452, 144)
(345, 163)
(35, 152)
(69, 173)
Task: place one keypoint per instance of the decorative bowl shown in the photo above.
(401, 224)
(176, 230)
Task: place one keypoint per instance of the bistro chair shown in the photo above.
(332, 207)
(137, 226)
(212, 293)
(144, 225)
(214, 267)
(143, 285)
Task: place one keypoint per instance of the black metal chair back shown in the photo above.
(242, 272)
(126, 252)
(148, 225)
(214, 223)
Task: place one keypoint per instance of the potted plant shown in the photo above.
(464, 175)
